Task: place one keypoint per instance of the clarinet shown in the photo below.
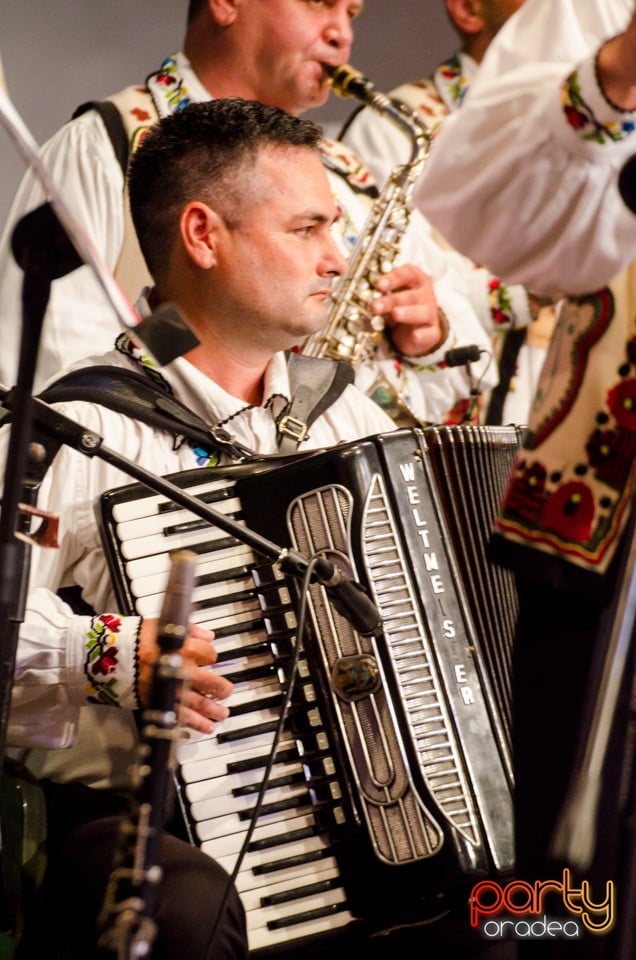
(127, 924)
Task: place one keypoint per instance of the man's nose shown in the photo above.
(339, 29)
(333, 264)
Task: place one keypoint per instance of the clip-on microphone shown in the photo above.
(464, 356)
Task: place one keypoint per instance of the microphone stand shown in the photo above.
(43, 259)
(349, 597)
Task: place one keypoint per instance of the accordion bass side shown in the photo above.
(391, 784)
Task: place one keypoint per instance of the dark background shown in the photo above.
(58, 53)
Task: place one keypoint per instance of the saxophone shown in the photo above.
(352, 331)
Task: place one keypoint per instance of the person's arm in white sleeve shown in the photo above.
(79, 319)
(65, 661)
(524, 178)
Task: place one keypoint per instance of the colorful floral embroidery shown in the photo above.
(347, 164)
(452, 80)
(142, 115)
(130, 348)
(101, 660)
(203, 457)
(167, 88)
(581, 117)
(500, 302)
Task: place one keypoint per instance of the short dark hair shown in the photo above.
(197, 154)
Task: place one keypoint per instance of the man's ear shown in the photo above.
(224, 11)
(467, 15)
(198, 228)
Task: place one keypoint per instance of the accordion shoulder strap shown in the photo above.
(315, 383)
(134, 395)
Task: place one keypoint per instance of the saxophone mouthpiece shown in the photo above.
(346, 81)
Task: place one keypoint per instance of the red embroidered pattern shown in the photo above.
(581, 117)
(101, 659)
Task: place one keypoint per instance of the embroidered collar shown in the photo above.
(453, 78)
(174, 85)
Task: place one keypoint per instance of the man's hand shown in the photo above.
(409, 306)
(200, 707)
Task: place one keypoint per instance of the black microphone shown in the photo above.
(459, 356)
(349, 598)
(627, 183)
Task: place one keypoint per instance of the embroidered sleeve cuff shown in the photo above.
(588, 112)
(110, 660)
(521, 307)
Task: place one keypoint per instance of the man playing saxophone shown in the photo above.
(274, 51)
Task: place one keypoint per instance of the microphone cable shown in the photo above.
(278, 733)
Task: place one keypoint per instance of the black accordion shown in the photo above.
(384, 797)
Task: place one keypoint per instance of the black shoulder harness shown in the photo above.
(315, 385)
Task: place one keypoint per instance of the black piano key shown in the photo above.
(286, 896)
(265, 575)
(222, 576)
(232, 628)
(252, 673)
(308, 915)
(282, 839)
(250, 650)
(255, 763)
(252, 788)
(187, 526)
(289, 803)
(208, 603)
(231, 736)
(211, 546)
(208, 496)
(266, 703)
(298, 861)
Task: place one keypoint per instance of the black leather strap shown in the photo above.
(114, 124)
(315, 384)
(134, 395)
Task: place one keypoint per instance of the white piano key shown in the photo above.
(153, 524)
(230, 844)
(298, 858)
(232, 823)
(247, 880)
(200, 593)
(213, 757)
(252, 898)
(130, 509)
(222, 615)
(222, 806)
(232, 750)
(147, 546)
(160, 563)
(224, 785)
